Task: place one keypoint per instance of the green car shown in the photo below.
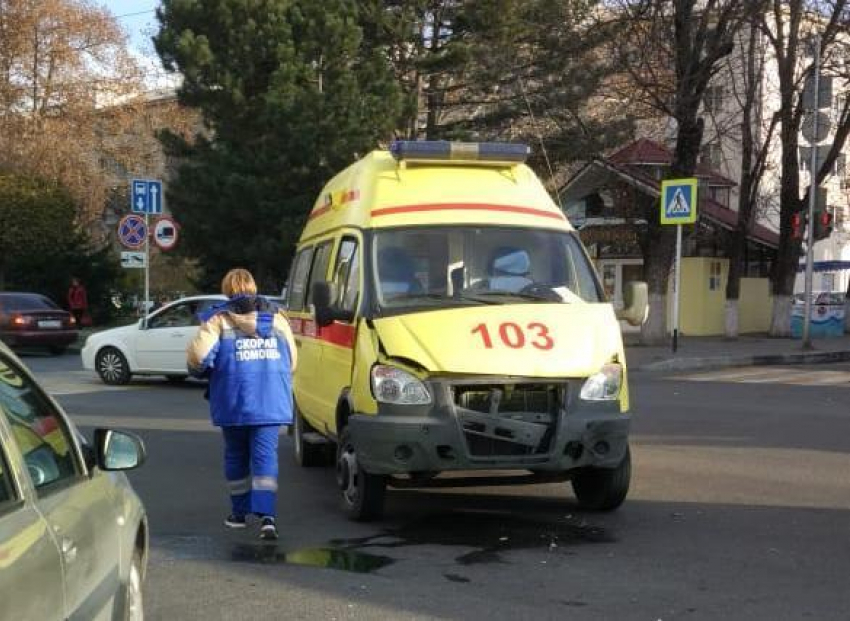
(73, 533)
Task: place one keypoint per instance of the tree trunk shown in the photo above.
(731, 319)
(788, 254)
(780, 320)
(659, 246)
(846, 306)
(737, 246)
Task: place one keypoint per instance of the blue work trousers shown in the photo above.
(250, 467)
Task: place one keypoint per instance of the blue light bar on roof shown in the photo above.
(445, 151)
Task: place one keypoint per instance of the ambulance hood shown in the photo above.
(529, 340)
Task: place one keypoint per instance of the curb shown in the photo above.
(717, 362)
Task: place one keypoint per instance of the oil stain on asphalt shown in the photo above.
(490, 534)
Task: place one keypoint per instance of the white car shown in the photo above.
(155, 345)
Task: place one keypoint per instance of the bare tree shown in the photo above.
(670, 50)
(789, 25)
(746, 76)
(62, 63)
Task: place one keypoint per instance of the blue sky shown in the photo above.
(137, 18)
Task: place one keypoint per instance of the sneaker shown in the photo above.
(235, 521)
(268, 530)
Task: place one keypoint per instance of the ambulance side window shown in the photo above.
(298, 284)
(320, 267)
(347, 274)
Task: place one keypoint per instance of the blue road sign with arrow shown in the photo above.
(146, 196)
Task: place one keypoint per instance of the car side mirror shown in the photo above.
(325, 310)
(635, 303)
(118, 450)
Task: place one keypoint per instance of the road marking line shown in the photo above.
(776, 375)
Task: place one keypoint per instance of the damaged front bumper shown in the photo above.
(537, 425)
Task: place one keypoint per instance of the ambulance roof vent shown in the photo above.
(443, 151)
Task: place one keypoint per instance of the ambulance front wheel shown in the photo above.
(363, 493)
(603, 489)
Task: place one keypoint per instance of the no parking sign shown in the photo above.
(132, 231)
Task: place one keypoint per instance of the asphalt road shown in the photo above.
(740, 509)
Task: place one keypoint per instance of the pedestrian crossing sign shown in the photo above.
(679, 201)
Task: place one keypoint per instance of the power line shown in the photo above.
(135, 14)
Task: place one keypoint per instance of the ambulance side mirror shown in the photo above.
(635, 303)
(326, 312)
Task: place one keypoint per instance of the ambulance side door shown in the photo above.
(311, 266)
(339, 337)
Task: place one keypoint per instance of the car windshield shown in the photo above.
(468, 265)
(26, 302)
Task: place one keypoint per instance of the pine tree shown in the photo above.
(290, 93)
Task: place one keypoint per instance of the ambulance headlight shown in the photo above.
(392, 385)
(605, 385)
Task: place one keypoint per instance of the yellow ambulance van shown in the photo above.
(448, 319)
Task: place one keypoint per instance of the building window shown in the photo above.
(713, 98)
(712, 155)
(714, 278)
(719, 195)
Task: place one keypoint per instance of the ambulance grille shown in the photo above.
(509, 420)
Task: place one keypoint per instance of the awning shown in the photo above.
(826, 266)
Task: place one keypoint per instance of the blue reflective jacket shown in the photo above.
(247, 358)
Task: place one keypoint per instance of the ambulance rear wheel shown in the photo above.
(603, 489)
(307, 455)
(363, 493)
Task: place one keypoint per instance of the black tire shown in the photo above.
(603, 489)
(58, 350)
(307, 455)
(362, 493)
(175, 379)
(133, 600)
(112, 367)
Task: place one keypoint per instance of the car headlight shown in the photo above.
(392, 385)
(604, 385)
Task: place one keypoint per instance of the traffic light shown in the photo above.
(798, 225)
(823, 224)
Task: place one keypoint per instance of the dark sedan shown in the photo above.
(33, 320)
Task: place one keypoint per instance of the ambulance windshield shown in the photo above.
(461, 265)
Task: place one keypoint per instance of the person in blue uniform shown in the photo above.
(245, 347)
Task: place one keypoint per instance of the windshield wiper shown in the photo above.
(524, 296)
(442, 297)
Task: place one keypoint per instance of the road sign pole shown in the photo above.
(813, 191)
(147, 270)
(677, 282)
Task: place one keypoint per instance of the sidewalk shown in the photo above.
(717, 352)
(81, 340)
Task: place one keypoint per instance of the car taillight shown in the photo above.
(72, 321)
(20, 321)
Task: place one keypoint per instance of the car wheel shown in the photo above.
(112, 367)
(176, 379)
(133, 603)
(307, 455)
(603, 489)
(363, 493)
